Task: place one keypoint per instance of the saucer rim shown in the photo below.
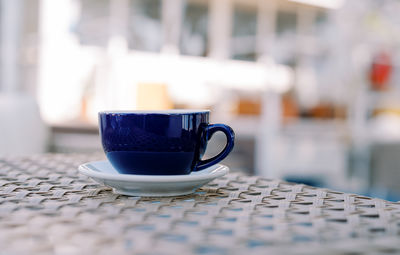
(219, 171)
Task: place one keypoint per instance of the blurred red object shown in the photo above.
(381, 70)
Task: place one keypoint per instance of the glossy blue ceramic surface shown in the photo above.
(160, 143)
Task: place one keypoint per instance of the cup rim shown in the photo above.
(159, 112)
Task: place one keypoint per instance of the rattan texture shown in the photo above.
(47, 207)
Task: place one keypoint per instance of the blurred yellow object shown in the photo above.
(153, 96)
(327, 111)
(380, 111)
(247, 106)
(289, 107)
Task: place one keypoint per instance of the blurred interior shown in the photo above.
(311, 88)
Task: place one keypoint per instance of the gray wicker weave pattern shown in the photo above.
(46, 207)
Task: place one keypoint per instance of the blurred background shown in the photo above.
(311, 87)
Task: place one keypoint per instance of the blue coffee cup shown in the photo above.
(169, 142)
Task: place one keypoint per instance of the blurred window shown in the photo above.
(321, 21)
(194, 36)
(93, 25)
(145, 27)
(243, 46)
(286, 23)
(285, 47)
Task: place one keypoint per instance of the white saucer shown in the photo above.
(150, 185)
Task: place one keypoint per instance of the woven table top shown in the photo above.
(46, 207)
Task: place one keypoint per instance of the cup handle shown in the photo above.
(230, 141)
